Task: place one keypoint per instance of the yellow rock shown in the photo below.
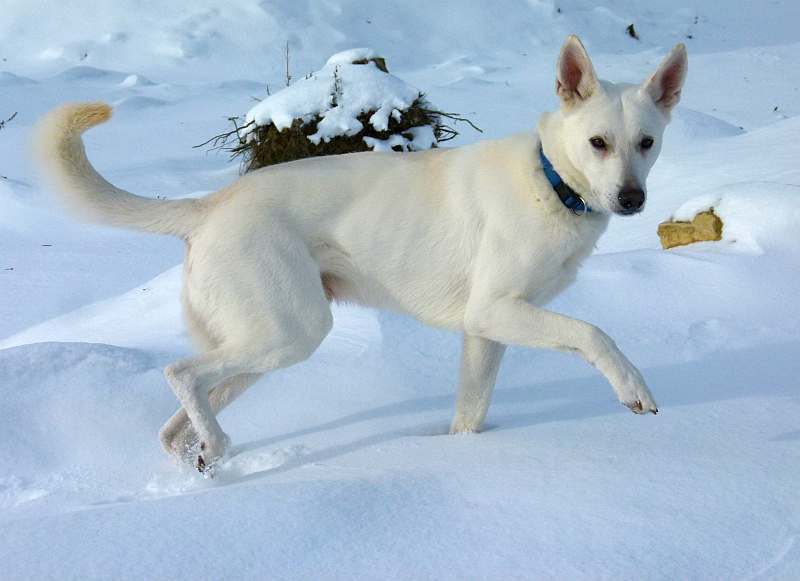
(706, 226)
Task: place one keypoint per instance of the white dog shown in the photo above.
(473, 239)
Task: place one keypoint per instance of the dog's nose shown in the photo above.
(631, 200)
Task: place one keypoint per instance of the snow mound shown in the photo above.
(756, 216)
(134, 319)
(10, 79)
(149, 317)
(96, 400)
(338, 93)
(690, 124)
(87, 74)
(136, 81)
(138, 102)
(240, 85)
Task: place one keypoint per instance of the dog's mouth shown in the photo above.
(628, 211)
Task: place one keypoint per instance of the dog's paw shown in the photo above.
(462, 431)
(464, 425)
(640, 400)
(208, 457)
(635, 395)
(638, 407)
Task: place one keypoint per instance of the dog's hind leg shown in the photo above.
(177, 436)
(480, 361)
(192, 379)
(267, 310)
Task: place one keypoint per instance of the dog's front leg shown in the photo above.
(515, 321)
(480, 360)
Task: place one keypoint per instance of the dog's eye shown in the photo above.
(598, 142)
(646, 143)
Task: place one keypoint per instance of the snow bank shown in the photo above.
(10, 79)
(206, 39)
(79, 406)
(149, 317)
(756, 216)
(688, 124)
(340, 485)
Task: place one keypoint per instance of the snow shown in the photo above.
(342, 468)
(347, 57)
(422, 137)
(338, 93)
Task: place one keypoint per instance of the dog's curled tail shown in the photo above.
(62, 159)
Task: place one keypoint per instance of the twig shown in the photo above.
(3, 122)
(336, 92)
(454, 117)
(2, 125)
(286, 55)
(221, 140)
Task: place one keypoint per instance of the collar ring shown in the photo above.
(581, 207)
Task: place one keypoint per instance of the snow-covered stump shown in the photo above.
(352, 104)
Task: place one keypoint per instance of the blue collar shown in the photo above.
(569, 197)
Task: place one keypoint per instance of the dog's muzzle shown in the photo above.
(631, 201)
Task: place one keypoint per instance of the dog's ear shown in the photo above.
(664, 86)
(575, 78)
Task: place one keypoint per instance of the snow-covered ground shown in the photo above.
(342, 469)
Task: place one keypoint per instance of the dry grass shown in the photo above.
(266, 145)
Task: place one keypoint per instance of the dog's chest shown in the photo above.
(556, 253)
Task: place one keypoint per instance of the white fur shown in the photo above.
(472, 239)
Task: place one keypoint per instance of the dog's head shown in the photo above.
(611, 133)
